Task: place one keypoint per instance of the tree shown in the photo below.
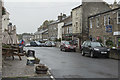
(109, 43)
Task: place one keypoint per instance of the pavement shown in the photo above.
(74, 65)
(16, 68)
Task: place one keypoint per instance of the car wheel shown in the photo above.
(83, 54)
(65, 50)
(74, 50)
(107, 56)
(92, 54)
(60, 49)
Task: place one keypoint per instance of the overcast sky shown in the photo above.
(28, 15)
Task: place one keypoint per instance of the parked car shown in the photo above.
(35, 44)
(67, 46)
(53, 44)
(48, 44)
(42, 44)
(94, 49)
(27, 45)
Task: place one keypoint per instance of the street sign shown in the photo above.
(109, 28)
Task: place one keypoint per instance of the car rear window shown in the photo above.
(96, 44)
(67, 43)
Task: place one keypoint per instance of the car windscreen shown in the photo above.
(96, 44)
(38, 43)
(67, 43)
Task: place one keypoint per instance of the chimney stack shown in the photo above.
(60, 17)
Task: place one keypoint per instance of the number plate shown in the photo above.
(103, 52)
(71, 47)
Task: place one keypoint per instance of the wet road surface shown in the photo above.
(74, 65)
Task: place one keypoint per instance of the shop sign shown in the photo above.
(116, 33)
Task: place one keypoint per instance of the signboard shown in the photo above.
(116, 33)
(109, 28)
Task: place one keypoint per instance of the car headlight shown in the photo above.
(108, 49)
(96, 49)
(66, 45)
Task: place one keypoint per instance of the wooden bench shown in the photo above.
(8, 52)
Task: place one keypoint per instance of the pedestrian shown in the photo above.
(21, 45)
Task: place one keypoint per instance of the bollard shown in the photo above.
(30, 61)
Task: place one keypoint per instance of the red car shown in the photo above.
(67, 46)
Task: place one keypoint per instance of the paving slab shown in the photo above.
(16, 68)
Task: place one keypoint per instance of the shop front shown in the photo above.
(67, 37)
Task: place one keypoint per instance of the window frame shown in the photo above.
(105, 20)
(108, 19)
(91, 25)
(118, 17)
(97, 22)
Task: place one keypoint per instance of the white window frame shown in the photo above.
(70, 29)
(63, 30)
(91, 23)
(108, 19)
(97, 21)
(118, 17)
(67, 30)
(105, 20)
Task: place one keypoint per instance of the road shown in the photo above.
(74, 65)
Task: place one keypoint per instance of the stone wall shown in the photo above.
(115, 54)
(0, 39)
(91, 8)
(101, 30)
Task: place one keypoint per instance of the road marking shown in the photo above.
(51, 76)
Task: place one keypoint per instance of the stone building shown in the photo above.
(9, 35)
(61, 29)
(38, 35)
(5, 21)
(54, 28)
(77, 24)
(80, 18)
(91, 8)
(67, 28)
(105, 26)
(45, 35)
(0, 39)
(41, 35)
(67, 31)
(27, 37)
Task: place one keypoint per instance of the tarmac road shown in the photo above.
(74, 65)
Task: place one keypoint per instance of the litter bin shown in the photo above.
(30, 53)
